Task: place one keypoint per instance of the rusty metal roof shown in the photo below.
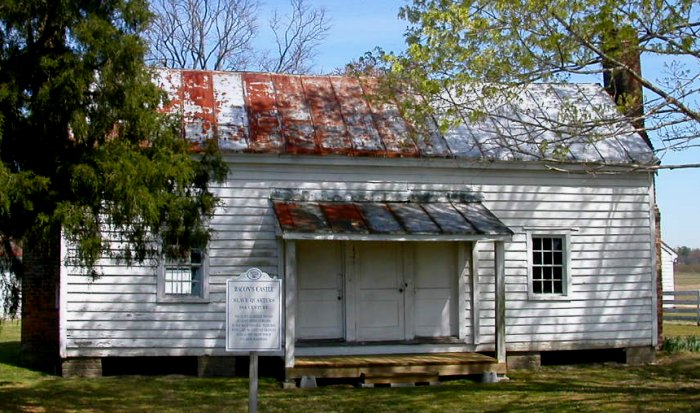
(424, 214)
(330, 115)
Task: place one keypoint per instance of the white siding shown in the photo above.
(668, 259)
(611, 300)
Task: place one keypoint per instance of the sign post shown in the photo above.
(253, 320)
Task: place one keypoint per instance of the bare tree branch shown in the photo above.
(202, 34)
(219, 34)
(297, 36)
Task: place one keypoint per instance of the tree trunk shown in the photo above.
(625, 89)
(659, 280)
(40, 302)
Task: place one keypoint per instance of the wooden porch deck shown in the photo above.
(394, 368)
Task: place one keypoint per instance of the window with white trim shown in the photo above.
(548, 266)
(184, 279)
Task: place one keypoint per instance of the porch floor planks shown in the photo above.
(387, 365)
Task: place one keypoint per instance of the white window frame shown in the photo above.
(202, 297)
(566, 266)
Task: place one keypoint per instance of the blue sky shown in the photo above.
(360, 26)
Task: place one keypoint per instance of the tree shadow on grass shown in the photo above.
(628, 392)
(9, 353)
(127, 394)
(672, 385)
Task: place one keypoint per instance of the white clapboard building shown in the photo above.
(668, 262)
(463, 244)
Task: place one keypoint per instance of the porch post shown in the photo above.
(499, 247)
(476, 294)
(290, 283)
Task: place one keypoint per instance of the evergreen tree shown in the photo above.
(83, 146)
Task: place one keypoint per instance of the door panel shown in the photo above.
(319, 290)
(379, 291)
(435, 283)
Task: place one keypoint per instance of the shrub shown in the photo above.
(681, 343)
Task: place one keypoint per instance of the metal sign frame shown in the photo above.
(254, 312)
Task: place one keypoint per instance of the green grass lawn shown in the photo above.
(676, 329)
(673, 384)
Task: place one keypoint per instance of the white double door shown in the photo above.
(376, 291)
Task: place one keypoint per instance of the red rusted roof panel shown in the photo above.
(198, 105)
(301, 217)
(231, 116)
(344, 218)
(265, 128)
(392, 128)
(170, 81)
(284, 216)
(358, 118)
(331, 134)
(297, 128)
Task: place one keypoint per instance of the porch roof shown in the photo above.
(412, 216)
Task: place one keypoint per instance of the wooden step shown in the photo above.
(439, 364)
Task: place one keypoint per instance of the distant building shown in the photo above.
(668, 261)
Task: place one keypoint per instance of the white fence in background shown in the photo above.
(682, 306)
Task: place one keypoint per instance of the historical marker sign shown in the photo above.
(254, 312)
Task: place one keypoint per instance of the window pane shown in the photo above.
(558, 257)
(536, 244)
(178, 280)
(557, 273)
(547, 288)
(196, 256)
(558, 289)
(556, 244)
(537, 273)
(536, 257)
(537, 287)
(546, 243)
(184, 277)
(547, 258)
